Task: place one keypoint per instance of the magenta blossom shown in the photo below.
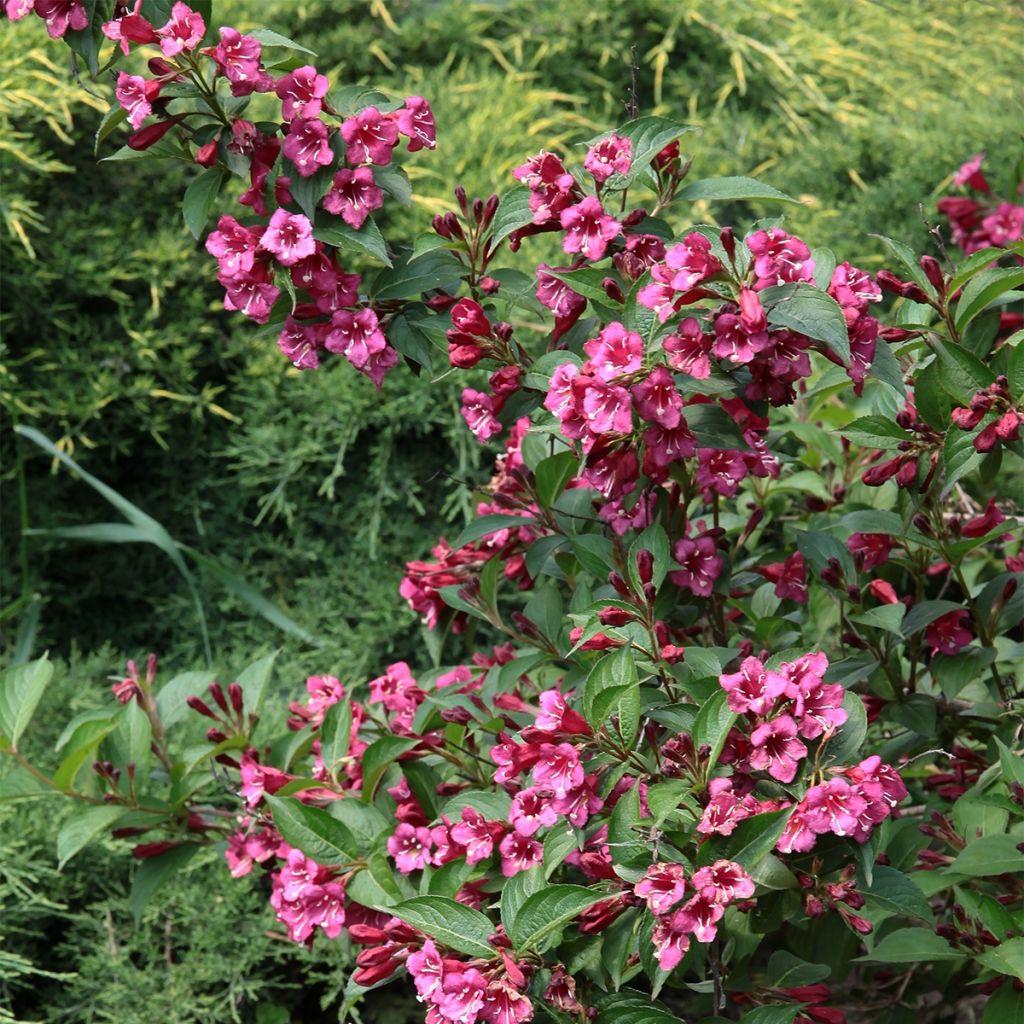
(307, 147)
(183, 32)
(60, 15)
(949, 633)
(135, 94)
(416, 122)
(700, 564)
(302, 92)
(353, 195)
(754, 689)
(370, 137)
(612, 155)
(588, 228)
(410, 848)
(663, 886)
(289, 236)
(776, 749)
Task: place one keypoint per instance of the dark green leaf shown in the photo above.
(925, 613)
(788, 971)
(266, 37)
(82, 827)
(892, 891)
(312, 830)
(378, 756)
(804, 308)
(367, 239)
(986, 287)
(452, 924)
(961, 373)
(549, 910)
(170, 701)
(254, 680)
(552, 474)
(733, 188)
(335, 735)
(711, 728)
(154, 872)
(1006, 958)
(629, 1007)
(989, 855)
(876, 432)
(912, 946)
(21, 688)
(200, 197)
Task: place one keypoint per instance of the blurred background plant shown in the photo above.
(310, 486)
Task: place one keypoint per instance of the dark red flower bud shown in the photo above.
(728, 239)
(620, 585)
(933, 271)
(1008, 426)
(645, 565)
(489, 285)
(490, 209)
(158, 66)
(152, 133)
(612, 616)
(215, 735)
(217, 692)
(197, 704)
(206, 156)
(146, 850)
(906, 474)
(987, 439)
(367, 935)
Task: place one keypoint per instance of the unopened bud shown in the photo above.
(932, 270)
(235, 696)
(645, 565)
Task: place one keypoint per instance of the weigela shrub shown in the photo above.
(743, 601)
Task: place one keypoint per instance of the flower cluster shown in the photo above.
(712, 888)
(980, 220)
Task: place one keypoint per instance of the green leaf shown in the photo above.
(1005, 1006)
(788, 971)
(804, 308)
(82, 827)
(715, 428)
(931, 399)
(483, 526)
(21, 688)
(254, 680)
(887, 616)
(171, 700)
(336, 734)
(558, 844)
(876, 432)
(892, 891)
(80, 748)
(493, 804)
(266, 37)
(549, 910)
(1011, 765)
(154, 872)
(378, 756)
(733, 188)
(313, 831)
(845, 746)
(513, 213)
(989, 855)
(607, 683)
(367, 239)
(653, 539)
(199, 198)
(711, 728)
(410, 278)
(114, 117)
(961, 373)
(452, 924)
(754, 838)
(517, 890)
(912, 946)
(926, 612)
(988, 286)
(649, 135)
(1006, 958)
(908, 259)
(630, 1007)
(778, 1013)
(959, 456)
(552, 474)
(974, 264)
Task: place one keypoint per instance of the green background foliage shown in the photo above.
(310, 486)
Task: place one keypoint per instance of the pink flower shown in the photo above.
(370, 137)
(661, 298)
(559, 768)
(689, 263)
(184, 30)
(579, 804)
(658, 400)
(723, 882)
(476, 834)
(725, 809)
(607, 408)
(612, 155)
(552, 187)
(671, 941)
(689, 349)
(129, 28)
(700, 564)
(754, 689)
(299, 342)
(776, 748)
(949, 633)
(834, 806)
(306, 898)
(307, 147)
(798, 836)
(301, 93)
(734, 341)
(462, 995)
(588, 228)
(289, 236)
(531, 810)
(556, 716)
(238, 57)
(410, 847)
(1004, 225)
(853, 288)
(353, 195)
(554, 293)
(971, 174)
(985, 523)
(60, 15)
(135, 95)
(663, 446)
(356, 336)
(561, 992)
(252, 293)
(720, 470)
(258, 779)
(663, 886)
(416, 122)
(869, 550)
(779, 258)
(519, 853)
(479, 413)
(614, 352)
(396, 689)
(234, 246)
(699, 917)
(426, 969)
(789, 577)
(505, 1004)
